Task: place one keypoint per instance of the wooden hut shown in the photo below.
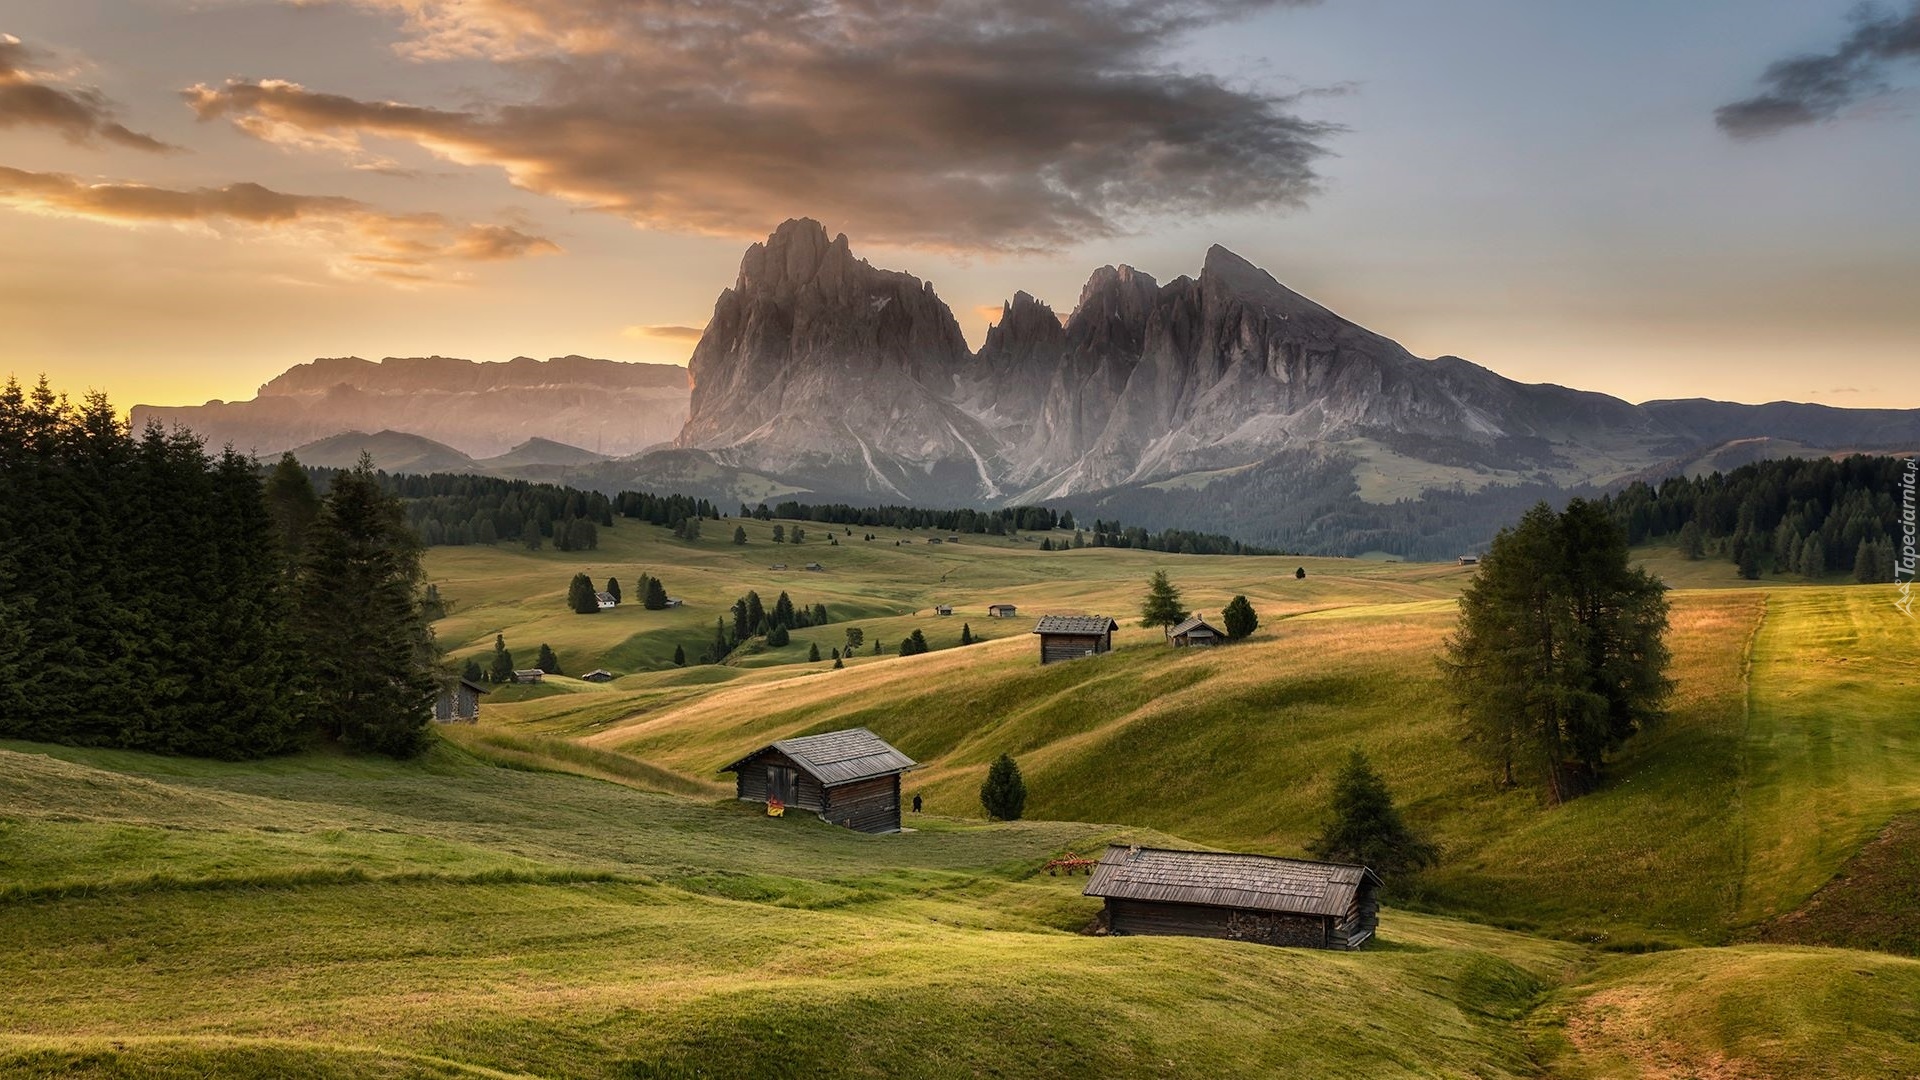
(606, 600)
(849, 778)
(529, 675)
(1469, 560)
(459, 702)
(1239, 897)
(1070, 637)
(1001, 611)
(1194, 631)
(599, 675)
(943, 609)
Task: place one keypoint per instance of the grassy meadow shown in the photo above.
(566, 889)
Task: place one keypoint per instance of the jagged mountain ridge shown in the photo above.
(479, 409)
(824, 372)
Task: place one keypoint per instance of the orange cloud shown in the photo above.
(687, 334)
(404, 248)
(990, 312)
(30, 98)
(997, 126)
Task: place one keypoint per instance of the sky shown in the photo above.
(1655, 200)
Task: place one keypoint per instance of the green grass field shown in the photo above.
(566, 889)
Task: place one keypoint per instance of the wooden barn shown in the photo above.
(1001, 611)
(1239, 897)
(1195, 631)
(943, 609)
(599, 675)
(459, 702)
(1070, 637)
(849, 778)
(529, 675)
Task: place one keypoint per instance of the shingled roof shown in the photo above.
(1075, 624)
(1190, 625)
(1227, 879)
(839, 757)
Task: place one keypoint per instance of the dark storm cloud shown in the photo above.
(31, 98)
(369, 241)
(1805, 89)
(995, 125)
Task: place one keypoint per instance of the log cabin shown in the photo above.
(1194, 631)
(1001, 611)
(849, 778)
(1223, 894)
(1070, 637)
(459, 702)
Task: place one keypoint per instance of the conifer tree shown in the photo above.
(501, 670)
(656, 597)
(777, 636)
(613, 589)
(472, 672)
(782, 612)
(966, 634)
(548, 662)
(292, 505)
(838, 663)
(1240, 618)
(1161, 605)
(779, 534)
(739, 534)
(756, 613)
(1004, 794)
(1300, 573)
(855, 636)
(369, 651)
(919, 641)
(1365, 828)
(813, 653)
(580, 596)
(679, 656)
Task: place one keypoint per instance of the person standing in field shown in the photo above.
(916, 804)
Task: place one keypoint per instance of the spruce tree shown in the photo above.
(613, 589)
(779, 534)
(756, 613)
(679, 656)
(292, 505)
(1692, 546)
(1161, 605)
(548, 662)
(1365, 828)
(1300, 573)
(777, 636)
(838, 663)
(656, 599)
(1004, 794)
(501, 670)
(782, 612)
(1240, 618)
(473, 672)
(580, 596)
(813, 653)
(370, 654)
(739, 534)
(966, 634)
(919, 641)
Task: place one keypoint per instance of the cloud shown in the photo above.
(405, 248)
(1817, 86)
(981, 125)
(686, 334)
(31, 98)
(989, 312)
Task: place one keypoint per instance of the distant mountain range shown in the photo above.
(1224, 402)
(482, 409)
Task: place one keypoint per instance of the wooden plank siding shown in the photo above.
(1057, 647)
(1231, 924)
(870, 806)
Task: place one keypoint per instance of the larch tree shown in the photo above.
(1161, 605)
(1559, 655)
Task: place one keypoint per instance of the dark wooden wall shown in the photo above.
(750, 783)
(1233, 924)
(871, 806)
(1057, 647)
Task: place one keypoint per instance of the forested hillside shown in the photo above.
(156, 598)
(1790, 516)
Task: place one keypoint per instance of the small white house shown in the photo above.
(606, 600)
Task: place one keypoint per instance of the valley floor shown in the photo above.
(565, 889)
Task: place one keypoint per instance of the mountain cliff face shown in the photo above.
(479, 409)
(816, 363)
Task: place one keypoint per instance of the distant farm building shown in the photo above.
(459, 702)
(1194, 631)
(1469, 560)
(934, 540)
(1070, 637)
(943, 609)
(1238, 897)
(778, 566)
(599, 675)
(674, 601)
(606, 600)
(849, 778)
(953, 539)
(813, 566)
(530, 675)
(1001, 611)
